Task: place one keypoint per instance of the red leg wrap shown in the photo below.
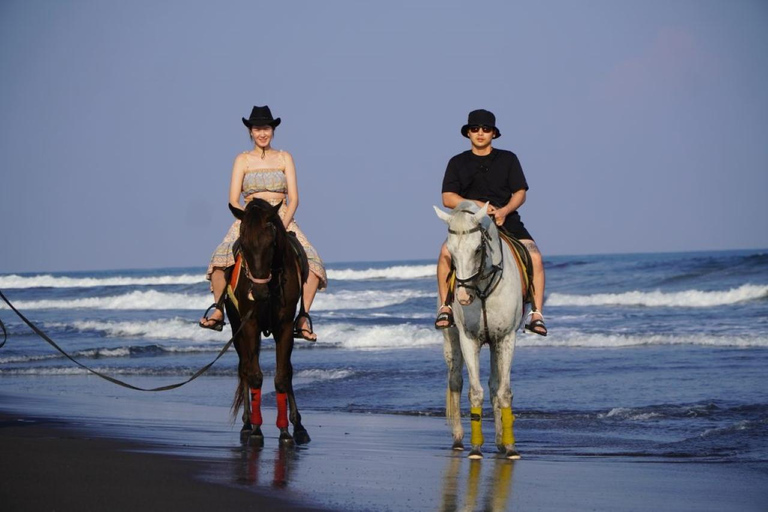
(256, 407)
(282, 410)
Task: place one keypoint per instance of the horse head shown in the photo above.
(261, 235)
(470, 232)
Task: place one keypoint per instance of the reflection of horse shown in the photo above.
(495, 496)
(485, 269)
(266, 289)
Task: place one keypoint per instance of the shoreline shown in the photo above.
(72, 460)
(49, 464)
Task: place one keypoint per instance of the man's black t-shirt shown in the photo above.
(493, 178)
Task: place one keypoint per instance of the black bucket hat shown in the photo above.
(481, 118)
(261, 116)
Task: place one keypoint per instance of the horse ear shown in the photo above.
(445, 217)
(237, 212)
(481, 213)
(276, 209)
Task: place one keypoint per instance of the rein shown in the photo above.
(107, 377)
(493, 277)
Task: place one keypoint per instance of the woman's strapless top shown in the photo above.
(264, 180)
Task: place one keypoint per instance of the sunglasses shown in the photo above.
(475, 129)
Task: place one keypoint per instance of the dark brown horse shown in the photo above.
(265, 289)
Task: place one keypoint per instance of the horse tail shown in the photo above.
(239, 398)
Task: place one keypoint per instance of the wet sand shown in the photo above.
(73, 460)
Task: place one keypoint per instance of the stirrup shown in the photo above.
(217, 325)
(298, 332)
(444, 316)
(539, 322)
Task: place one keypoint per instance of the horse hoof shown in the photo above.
(285, 438)
(256, 441)
(475, 453)
(512, 454)
(301, 437)
(458, 446)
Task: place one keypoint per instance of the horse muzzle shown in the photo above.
(464, 297)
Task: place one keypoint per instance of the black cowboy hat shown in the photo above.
(481, 118)
(261, 116)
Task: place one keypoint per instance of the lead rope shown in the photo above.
(112, 379)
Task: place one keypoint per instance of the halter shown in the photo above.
(493, 276)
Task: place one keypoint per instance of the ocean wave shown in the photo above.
(154, 300)
(316, 374)
(49, 281)
(136, 300)
(377, 337)
(394, 272)
(365, 299)
(583, 340)
(164, 329)
(685, 299)
(112, 352)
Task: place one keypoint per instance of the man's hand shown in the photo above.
(499, 215)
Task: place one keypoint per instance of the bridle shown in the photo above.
(492, 277)
(494, 274)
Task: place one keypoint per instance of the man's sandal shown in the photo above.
(217, 325)
(536, 326)
(444, 319)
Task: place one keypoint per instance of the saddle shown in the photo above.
(232, 274)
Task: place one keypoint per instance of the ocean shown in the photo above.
(650, 357)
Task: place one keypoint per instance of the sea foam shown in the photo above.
(48, 281)
(685, 299)
(394, 272)
(584, 340)
(154, 300)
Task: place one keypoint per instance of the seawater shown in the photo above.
(651, 356)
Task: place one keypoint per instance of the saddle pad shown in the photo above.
(233, 280)
(524, 263)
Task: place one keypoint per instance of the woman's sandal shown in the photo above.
(536, 324)
(217, 325)
(446, 317)
(299, 332)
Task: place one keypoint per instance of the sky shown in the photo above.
(642, 126)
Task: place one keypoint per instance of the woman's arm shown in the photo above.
(236, 182)
(293, 189)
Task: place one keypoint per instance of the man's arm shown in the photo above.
(452, 200)
(515, 202)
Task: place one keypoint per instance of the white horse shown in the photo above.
(487, 308)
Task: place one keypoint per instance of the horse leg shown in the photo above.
(470, 349)
(455, 363)
(504, 354)
(493, 387)
(300, 434)
(252, 379)
(283, 378)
